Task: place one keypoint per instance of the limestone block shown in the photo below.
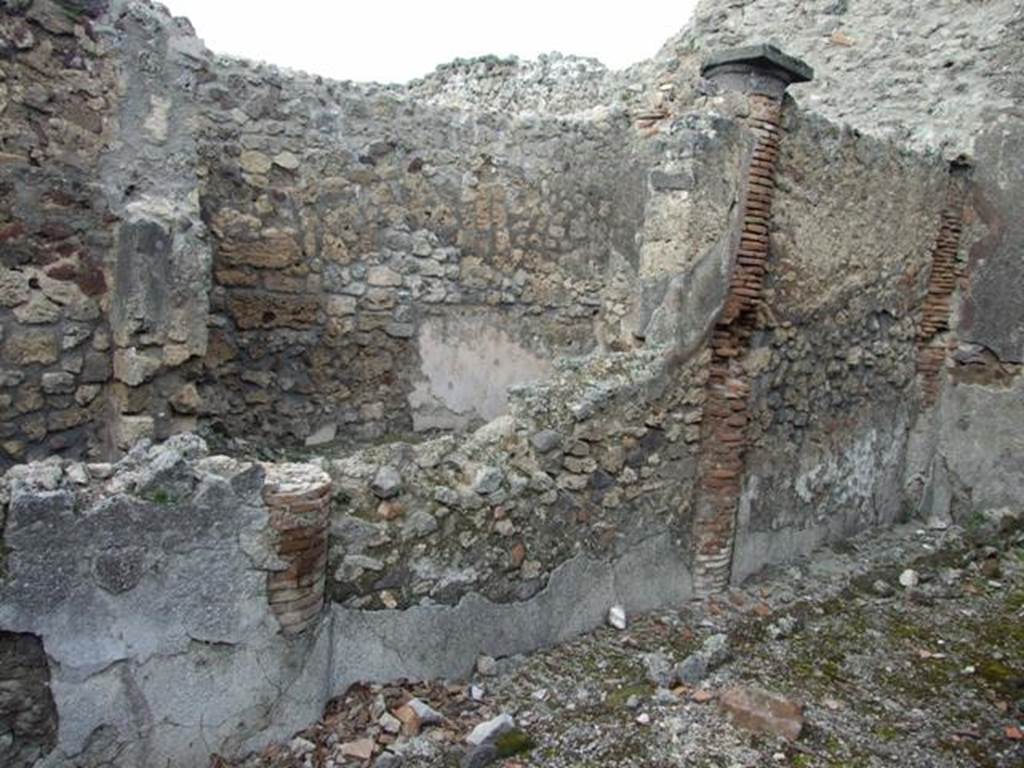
(135, 367)
(32, 346)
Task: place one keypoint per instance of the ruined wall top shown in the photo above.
(932, 75)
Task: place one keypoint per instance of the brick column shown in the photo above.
(763, 73)
(298, 497)
(942, 280)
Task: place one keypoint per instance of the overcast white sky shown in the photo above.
(393, 41)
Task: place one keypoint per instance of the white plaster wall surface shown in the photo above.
(468, 364)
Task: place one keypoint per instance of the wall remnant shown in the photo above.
(28, 716)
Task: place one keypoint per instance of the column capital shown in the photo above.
(762, 69)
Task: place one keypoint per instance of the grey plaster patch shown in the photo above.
(993, 309)
(155, 620)
(976, 432)
(832, 493)
(429, 641)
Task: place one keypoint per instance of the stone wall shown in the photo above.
(938, 76)
(57, 95)
(833, 363)
(752, 331)
(364, 237)
(105, 272)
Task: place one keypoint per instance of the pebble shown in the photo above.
(387, 483)
(909, 578)
(714, 652)
(882, 588)
(659, 669)
(301, 746)
(643, 718)
(427, 714)
(389, 723)
(486, 666)
(763, 712)
(617, 617)
(487, 480)
(361, 749)
(488, 730)
(782, 627)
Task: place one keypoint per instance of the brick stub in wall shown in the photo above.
(932, 335)
(298, 497)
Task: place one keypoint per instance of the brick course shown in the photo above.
(932, 343)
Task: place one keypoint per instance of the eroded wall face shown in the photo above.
(354, 232)
(28, 716)
(58, 94)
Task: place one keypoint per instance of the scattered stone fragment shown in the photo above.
(763, 712)
(712, 654)
(487, 480)
(410, 721)
(361, 749)
(389, 723)
(301, 746)
(909, 578)
(692, 669)
(782, 627)
(486, 666)
(665, 697)
(659, 669)
(488, 730)
(427, 714)
(387, 483)
(617, 617)
(643, 719)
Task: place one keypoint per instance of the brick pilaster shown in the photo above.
(932, 344)
(723, 439)
(298, 497)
